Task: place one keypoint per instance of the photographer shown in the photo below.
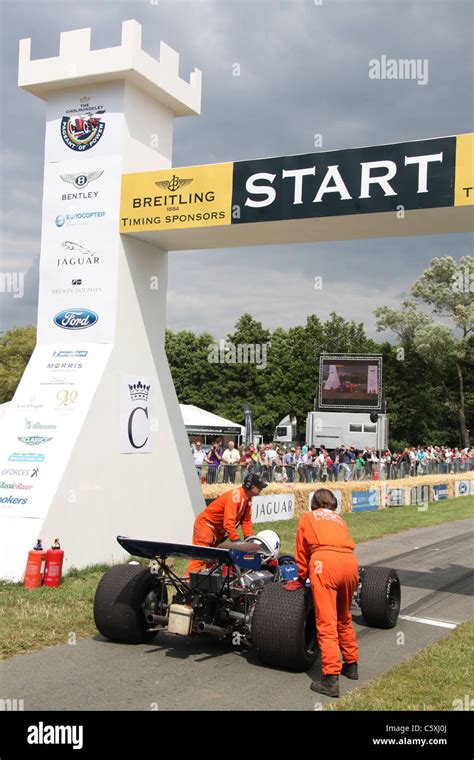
(213, 460)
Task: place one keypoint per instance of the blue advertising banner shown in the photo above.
(440, 492)
(363, 501)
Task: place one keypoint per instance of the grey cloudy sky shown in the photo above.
(303, 71)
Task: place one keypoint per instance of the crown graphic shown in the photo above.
(84, 99)
(139, 391)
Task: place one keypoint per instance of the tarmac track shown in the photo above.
(436, 568)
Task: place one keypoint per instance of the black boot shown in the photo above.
(328, 685)
(350, 670)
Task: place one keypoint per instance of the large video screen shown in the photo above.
(350, 381)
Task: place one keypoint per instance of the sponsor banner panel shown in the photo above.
(440, 492)
(135, 415)
(195, 196)
(464, 184)
(364, 501)
(462, 487)
(42, 423)
(84, 121)
(355, 181)
(273, 507)
(79, 250)
(337, 493)
(421, 174)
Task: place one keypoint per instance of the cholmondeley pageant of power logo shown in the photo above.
(82, 128)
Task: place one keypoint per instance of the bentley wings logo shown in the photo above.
(174, 183)
(81, 180)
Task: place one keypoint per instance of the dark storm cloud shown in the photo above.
(303, 71)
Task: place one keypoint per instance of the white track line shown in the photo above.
(428, 621)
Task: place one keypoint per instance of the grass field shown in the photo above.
(36, 618)
(439, 677)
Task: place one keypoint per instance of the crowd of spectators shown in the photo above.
(306, 464)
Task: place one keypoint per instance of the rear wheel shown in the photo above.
(284, 628)
(125, 594)
(380, 596)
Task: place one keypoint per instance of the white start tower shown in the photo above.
(93, 443)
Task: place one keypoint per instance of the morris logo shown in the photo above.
(75, 319)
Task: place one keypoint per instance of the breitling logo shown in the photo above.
(174, 183)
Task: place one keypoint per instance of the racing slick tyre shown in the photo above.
(284, 628)
(119, 602)
(380, 597)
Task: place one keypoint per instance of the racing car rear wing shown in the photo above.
(243, 554)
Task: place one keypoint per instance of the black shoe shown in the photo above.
(350, 670)
(328, 685)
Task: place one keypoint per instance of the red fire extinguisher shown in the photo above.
(54, 565)
(34, 566)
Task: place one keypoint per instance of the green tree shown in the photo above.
(16, 347)
(447, 349)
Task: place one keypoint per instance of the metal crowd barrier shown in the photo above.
(338, 473)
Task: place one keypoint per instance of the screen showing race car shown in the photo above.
(350, 381)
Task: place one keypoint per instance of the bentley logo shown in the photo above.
(174, 183)
(81, 180)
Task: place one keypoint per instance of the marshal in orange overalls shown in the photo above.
(220, 518)
(325, 554)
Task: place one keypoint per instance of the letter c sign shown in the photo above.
(143, 409)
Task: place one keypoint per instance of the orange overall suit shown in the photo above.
(222, 516)
(325, 554)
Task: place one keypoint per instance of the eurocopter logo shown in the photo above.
(174, 183)
(82, 128)
(139, 391)
(78, 217)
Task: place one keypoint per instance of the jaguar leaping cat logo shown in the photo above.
(70, 246)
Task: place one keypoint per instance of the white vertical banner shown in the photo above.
(81, 207)
(135, 415)
(42, 423)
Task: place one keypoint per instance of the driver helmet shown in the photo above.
(269, 540)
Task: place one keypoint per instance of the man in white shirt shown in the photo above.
(230, 457)
(198, 457)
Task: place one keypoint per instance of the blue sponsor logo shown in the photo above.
(12, 500)
(68, 354)
(463, 488)
(78, 216)
(364, 501)
(26, 458)
(75, 319)
(440, 492)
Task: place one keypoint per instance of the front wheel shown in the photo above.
(284, 628)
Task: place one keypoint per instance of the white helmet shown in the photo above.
(269, 540)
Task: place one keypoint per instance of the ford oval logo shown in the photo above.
(75, 319)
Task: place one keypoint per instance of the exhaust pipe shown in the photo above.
(236, 615)
(215, 630)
